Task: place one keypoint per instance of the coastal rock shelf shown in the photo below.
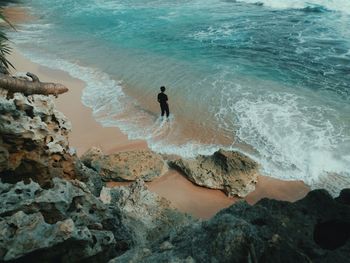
(315, 229)
(232, 172)
(125, 166)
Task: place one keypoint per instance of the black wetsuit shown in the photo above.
(163, 101)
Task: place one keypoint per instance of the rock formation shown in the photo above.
(148, 216)
(315, 229)
(51, 210)
(62, 224)
(33, 139)
(232, 172)
(66, 223)
(125, 166)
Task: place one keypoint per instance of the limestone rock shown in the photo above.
(125, 166)
(64, 223)
(15, 241)
(148, 215)
(232, 172)
(33, 139)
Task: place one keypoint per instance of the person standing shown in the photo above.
(163, 102)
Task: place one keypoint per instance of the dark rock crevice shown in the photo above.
(332, 234)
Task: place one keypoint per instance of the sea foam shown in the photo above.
(307, 5)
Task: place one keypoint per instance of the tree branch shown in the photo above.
(28, 87)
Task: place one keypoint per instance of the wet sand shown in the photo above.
(86, 132)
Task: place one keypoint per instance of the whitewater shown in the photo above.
(268, 78)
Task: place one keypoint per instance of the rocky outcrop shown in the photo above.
(148, 215)
(62, 224)
(125, 166)
(16, 242)
(315, 229)
(45, 213)
(51, 209)
(67, 223)
(33, 139)
(232, 172)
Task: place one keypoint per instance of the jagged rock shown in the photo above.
(125, 166)
(68, 223)
(232, 172)
(47, 239)
(33, 139)
(314, 229)
(147, 215)
(90, 177)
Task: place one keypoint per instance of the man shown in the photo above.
(163, 101)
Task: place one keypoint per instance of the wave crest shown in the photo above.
(307, 6)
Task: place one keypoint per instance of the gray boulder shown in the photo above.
(232, 172)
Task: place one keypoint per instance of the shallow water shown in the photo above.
(270, 78)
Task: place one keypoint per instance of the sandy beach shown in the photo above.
(65, 212)
(184, 195)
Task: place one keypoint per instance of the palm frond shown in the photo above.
(5, 49)
(3, 17)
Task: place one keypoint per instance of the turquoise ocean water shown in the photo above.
(270, 78)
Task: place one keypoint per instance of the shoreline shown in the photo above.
(87, 132)
(57, 209)
(183, 194)
(85, 128)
